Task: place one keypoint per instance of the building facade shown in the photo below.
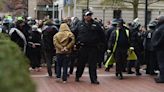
(69, 8)
(42, 8)
(107, 12)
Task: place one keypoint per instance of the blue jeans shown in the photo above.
(62, 61)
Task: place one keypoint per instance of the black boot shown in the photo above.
(130, 71)
(124, 70)
(121, 76)
(77, 79)
(157, 80)
(153, 73)
(138, 72)
(95, 82)
(116, 74)
(107, 69)
(50, 73)
(99, 65)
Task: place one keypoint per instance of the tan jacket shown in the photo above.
(64, 39)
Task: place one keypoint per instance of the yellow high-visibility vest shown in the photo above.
(117, 35)
(111, 59)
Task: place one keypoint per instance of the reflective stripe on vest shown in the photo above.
(117, 35)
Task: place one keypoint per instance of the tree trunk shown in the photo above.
(135, 9)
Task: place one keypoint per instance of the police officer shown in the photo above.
(150, 53)
(137, 43)
(74, 54)
(157, 42)
(88, 35)
(108, 33)
(119, 43)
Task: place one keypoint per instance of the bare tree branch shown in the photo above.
(153, 2)
(128, 1)
(150, 2)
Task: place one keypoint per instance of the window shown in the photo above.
(116, 13)
(148, 16)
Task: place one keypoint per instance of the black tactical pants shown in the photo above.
(160, 55)
(121, 59)
(87, 55)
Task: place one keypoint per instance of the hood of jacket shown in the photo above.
(64, 33)
(64, 38)
(64, 27)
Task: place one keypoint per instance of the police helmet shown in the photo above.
(152, 23)
(114, 22)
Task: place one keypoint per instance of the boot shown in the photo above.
(77, 79)
(157, 80)
(138, 72)
(130, 71)
(107, 69)
(116, 74)
(121, 76)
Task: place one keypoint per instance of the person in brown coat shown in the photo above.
(64, 40)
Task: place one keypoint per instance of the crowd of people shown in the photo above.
(75, 42)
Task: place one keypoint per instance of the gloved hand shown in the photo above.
(109, 51)
(131, 48)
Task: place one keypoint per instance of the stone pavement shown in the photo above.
(108, 83)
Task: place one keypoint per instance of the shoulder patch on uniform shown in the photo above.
(94, 25)
(81, 25)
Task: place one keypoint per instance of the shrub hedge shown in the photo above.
(14, 74)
